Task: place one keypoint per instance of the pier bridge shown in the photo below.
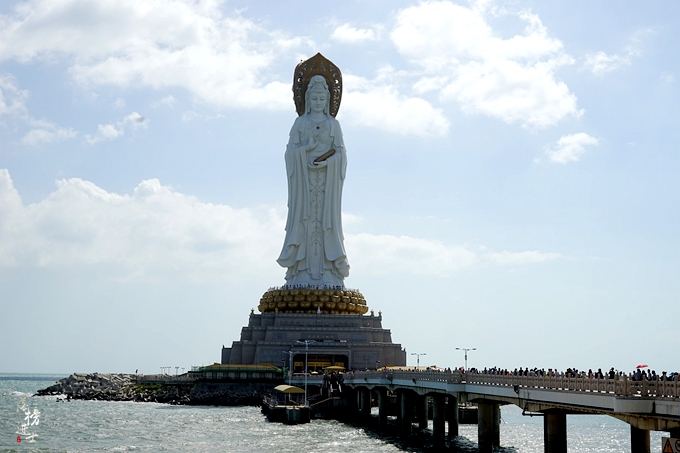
(645, 405)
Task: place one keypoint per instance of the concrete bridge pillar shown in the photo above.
(421, 411)
(351, 396)
(365, 402)
(383, 406)
(639, 440)
(488, 426)
(452, 416)
(405, 412)
(555, 432)
(438, 419)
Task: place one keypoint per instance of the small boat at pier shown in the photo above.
(285, 405)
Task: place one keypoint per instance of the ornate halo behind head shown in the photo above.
(317, 65)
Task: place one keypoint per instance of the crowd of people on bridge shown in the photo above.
(638, 375)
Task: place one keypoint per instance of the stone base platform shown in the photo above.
(352, 341)
(336, 320)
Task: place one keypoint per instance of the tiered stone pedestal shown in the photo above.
(336, 319)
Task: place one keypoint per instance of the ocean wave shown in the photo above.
(17, 393)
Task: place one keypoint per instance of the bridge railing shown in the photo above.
(620, 386)
(455, 377)
(300, 380)
(550, 382)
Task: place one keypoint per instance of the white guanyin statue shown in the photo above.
(313, 250)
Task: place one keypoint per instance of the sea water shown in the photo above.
(106, 426)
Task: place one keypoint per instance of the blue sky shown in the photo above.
(512, 182)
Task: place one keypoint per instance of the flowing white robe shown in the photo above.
(313, 250)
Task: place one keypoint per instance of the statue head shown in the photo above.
(317, 88)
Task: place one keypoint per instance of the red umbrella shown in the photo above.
(642, 365)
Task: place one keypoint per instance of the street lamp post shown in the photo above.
(418, 354)
(290, 365)
(306, 343)
(466, 351)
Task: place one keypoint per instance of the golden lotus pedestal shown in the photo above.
(326, 301)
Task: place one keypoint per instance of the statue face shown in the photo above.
(318, 100)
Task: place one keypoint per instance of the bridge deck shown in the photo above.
(651, 405)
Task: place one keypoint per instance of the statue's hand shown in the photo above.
(312, 143)
(321, 164)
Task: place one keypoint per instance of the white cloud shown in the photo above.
(191, 115)
(387, 254)
(12, 99)
(463, 59)
(176, 43)
(167, 101)
(157, 232)
(379, 104)
(13, 105)
(569, 148)
(600, 63)
(46, 132)
(507, 258)
(348, 34)
(666, 78)
(114, 130)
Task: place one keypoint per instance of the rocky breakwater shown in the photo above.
(117, 387)
(126, 387)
